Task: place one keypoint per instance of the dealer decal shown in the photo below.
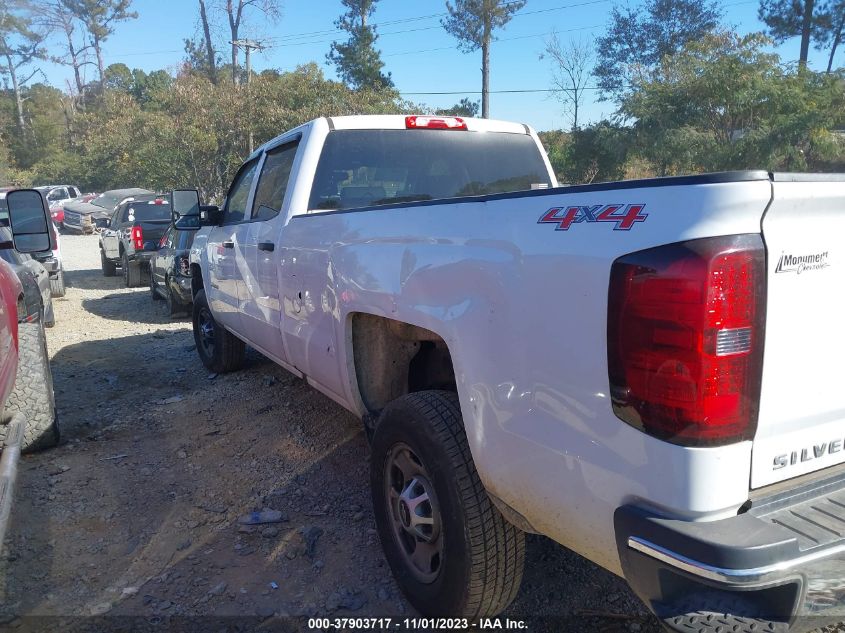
(789, 263)
(623, 216)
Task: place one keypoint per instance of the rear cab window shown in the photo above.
(157, 210)
(361, 168)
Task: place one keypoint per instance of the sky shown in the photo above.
(421, 56)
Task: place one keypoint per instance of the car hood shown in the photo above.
(86, 208)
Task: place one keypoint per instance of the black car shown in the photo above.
(131, 235)
(84, 217)
(170, 271)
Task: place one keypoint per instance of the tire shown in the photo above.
(175, 307)
(33, 393)
(714, 612)
(218, 349)
(48, 315)
(109, 269)
(131, 272)
(479, 557)
(153, 292)
(57, 284)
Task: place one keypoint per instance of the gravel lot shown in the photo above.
(135, 516)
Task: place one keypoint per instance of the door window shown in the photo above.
(235, 209)
(273, 182)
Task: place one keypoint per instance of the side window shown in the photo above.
(115, 219)
(235, 210)
(56, 194)
(273, 182)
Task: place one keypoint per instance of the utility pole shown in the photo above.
(248, 46)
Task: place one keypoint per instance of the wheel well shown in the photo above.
(392, 359)
(196, 279)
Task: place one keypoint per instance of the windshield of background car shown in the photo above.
(107, 201)
(359, 168)
(4, 212)
(148, 211)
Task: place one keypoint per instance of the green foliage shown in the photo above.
(150, 130)
(725, 103)
(464, 107)
(639, 37)
(472, 22)
(596, 153)
(357, 60)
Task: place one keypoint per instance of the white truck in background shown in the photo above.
(643, 371)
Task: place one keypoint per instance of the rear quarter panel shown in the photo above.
(522, 307)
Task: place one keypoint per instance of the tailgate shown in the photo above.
(153, 231)
(801, 426)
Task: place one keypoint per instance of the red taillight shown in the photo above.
(685, 339)
(138, 237)
(418, 122)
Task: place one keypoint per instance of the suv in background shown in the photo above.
(131, 235)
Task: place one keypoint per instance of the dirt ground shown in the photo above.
(134, 518)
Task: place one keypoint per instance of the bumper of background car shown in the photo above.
(781, 561)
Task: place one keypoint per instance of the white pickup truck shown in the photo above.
(644, 371)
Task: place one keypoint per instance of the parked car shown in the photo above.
(58, 194)
(82, 217)
(57, 209)
(582, 362)
(170, 271)
(27, 407)
(130, 237)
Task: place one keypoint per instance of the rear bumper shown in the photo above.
(782, 561)
(143, 258)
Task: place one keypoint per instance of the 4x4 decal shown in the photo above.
(625, 216)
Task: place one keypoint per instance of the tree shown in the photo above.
(570, 73)
(465, 107)
(20, 45)
(235, 12)
(725, 103)
(358, 62)
(639, 37)
(99, 18)
(790, 18)
(58, 18)
(472, 23)
(829, 28)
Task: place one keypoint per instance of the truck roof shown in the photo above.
(398, 122)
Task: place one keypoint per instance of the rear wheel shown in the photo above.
(57, 284)
(175, 307)
(155, 295)
(219, 349)
(33, 393)
(451, 551)
(131, 272)
(109, 269)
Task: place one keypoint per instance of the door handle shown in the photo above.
(228, 244)
(266, 246)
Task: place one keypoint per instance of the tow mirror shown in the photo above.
(29, 220)
(185, 209)
(102, 223)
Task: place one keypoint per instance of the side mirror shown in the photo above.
(29, 219)
(102, 223)
(185, 209)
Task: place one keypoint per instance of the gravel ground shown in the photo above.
(134, 518)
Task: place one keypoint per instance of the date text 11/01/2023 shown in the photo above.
(402, 624)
